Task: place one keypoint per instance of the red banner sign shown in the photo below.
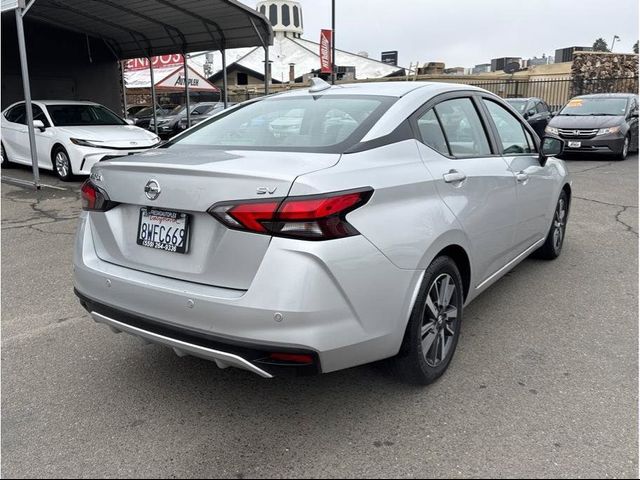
(163, 61)
(325, 51)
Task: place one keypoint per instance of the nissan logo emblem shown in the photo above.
(152, 189)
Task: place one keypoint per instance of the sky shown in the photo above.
(463, 33)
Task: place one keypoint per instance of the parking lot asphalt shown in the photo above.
(544, 382)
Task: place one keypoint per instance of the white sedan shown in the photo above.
(71, 136)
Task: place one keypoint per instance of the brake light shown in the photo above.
(291, 358)
(313, 217)
(94, 198)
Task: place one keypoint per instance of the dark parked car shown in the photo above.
(133, 109)
(143, 118)
(169, 125)
(200, 117)
(534, 110)
(601, 123)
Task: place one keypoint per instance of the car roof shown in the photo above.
(608, 95)
(65, 102)
(522, 99)
(390, 88)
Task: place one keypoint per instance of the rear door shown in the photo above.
(472, 179)
(536, 185)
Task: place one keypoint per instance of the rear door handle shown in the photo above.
(522, 177)
(454, 176)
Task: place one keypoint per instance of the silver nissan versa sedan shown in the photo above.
(356, 234)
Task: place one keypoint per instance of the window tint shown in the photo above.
(431, 132)
(463, 128)
(16, 114)
(510, 130)
(325, 124)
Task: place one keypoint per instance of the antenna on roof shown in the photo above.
(318, 85)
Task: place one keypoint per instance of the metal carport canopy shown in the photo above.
(146, 28)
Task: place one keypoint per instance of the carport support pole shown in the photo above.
(224, 76)
(27, 98)
(186, 90)
(266, 70)
(153, 96)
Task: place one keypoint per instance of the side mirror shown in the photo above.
(130, 122)
(550, 147)
(530, 113)
(39, 124)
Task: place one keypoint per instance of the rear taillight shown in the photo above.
(313, 217)
(94, 198)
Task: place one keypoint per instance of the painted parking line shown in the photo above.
(24, 183)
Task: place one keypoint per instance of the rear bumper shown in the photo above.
(608, 144)
(341, 301)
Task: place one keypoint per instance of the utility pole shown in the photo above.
(334, 73)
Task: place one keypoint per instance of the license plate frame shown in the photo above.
(574, 144)
(172, 217)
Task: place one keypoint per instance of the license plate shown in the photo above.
(575, 144)
(163, 230)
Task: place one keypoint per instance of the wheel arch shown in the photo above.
(460, 256)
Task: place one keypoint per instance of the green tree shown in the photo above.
(635, 47)
(600, 45)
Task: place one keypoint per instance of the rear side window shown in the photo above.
(431, 132)
(462, 128)
(322, 124)
(16, 114)
(511, 132)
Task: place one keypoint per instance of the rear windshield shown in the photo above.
(316, 124)
(595, 106)
(79, 115)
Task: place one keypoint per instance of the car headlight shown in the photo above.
(86, 143)
(607, 131)
(551, 130)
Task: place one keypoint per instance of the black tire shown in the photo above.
(59, 156)
(552, 246)
(625, 149)
(4, 162)
(413, 364)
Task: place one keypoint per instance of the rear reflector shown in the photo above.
(313, 217)
(291, 358)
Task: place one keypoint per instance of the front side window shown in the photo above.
(511, 132)
(541, 107)
(462, 128)
(431, 132)
(80, 115)
(38, 114)
(324, 124)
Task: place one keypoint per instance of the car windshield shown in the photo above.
(80, 115)
(318, 124)
(519, 105)
(585, 106)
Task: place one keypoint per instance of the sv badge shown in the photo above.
(265, 190)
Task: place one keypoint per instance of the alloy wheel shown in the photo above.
(559, 222)
(439, 320)
(62, 164)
